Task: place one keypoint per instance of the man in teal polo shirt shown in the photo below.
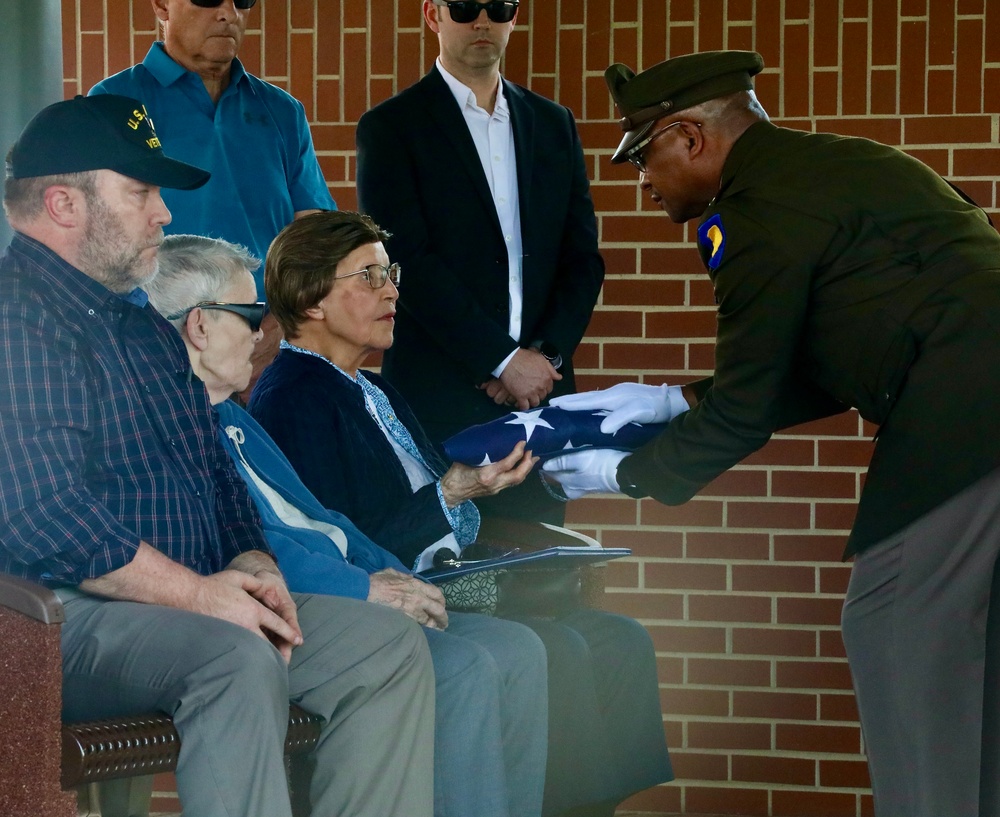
(252, 136)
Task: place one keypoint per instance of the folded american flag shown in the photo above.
(548, 432)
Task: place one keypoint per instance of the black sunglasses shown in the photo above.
(467, 11)
(253, 314)
(214, 4)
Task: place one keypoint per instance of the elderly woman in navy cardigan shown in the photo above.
(490, 736)
(359, 449)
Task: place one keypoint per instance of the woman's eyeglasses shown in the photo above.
(376, 275)
(253, 314)
(467, 11)
(214, 4)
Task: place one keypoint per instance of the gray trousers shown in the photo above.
(923, 642)
(365, 668)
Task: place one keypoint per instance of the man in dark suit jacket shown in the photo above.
(484, 187)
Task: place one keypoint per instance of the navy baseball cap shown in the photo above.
(102, 132)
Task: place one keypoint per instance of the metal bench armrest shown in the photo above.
(30, 599)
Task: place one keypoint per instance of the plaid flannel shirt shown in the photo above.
(106, 438)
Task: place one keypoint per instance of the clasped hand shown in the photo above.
(527, 379)
(259, 603)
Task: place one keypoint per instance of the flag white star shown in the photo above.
(486, 461)
(530, 420)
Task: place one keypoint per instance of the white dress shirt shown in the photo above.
(493, 136)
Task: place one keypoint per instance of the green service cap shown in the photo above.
(671, 86)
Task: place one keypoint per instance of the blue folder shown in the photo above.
(553, 558)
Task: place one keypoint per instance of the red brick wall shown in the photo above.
(741, 588)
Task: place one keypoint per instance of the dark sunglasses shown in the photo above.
(253, 314)
(214, 4)
(467, 11)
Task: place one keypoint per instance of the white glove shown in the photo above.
(628, 403)
(585, 472)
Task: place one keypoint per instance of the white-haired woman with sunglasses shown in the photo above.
(490, 736)
(358, 447)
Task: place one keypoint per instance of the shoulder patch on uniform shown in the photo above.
(712, 235)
